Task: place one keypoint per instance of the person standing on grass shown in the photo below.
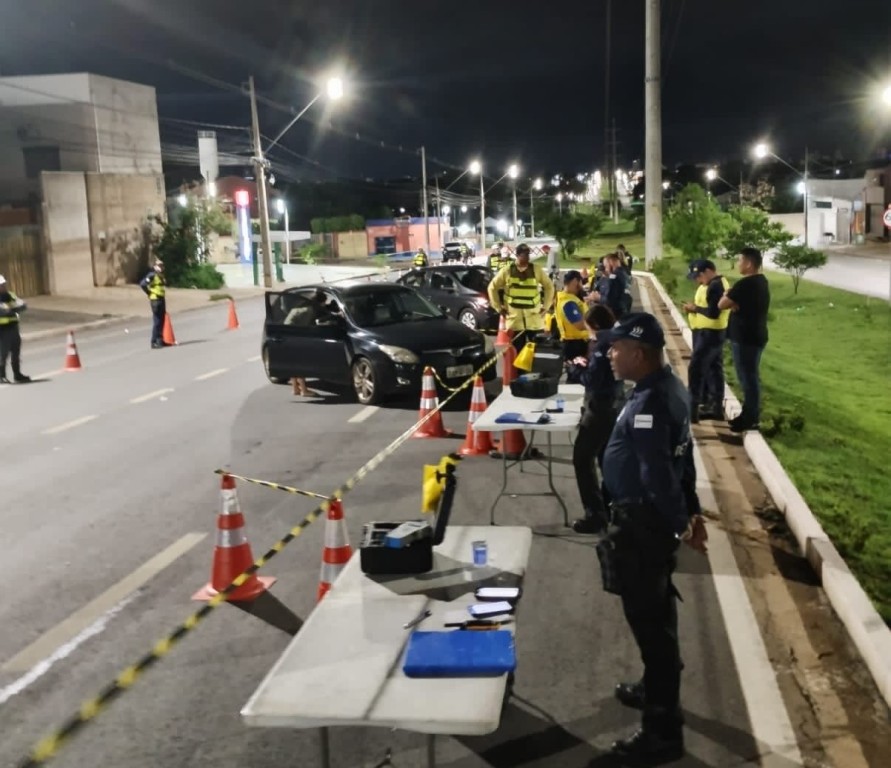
(748, 301)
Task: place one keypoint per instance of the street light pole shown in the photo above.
(653, 138)
(807, 241)
(260, 177)
(438, 212)
(424, 197)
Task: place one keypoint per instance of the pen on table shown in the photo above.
(414, 622)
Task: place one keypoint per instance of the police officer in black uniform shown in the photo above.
(649, 474)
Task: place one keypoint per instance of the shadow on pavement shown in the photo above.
(268, 608)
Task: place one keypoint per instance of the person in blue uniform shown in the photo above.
(610, 288)
(649, 474)
(602, 393)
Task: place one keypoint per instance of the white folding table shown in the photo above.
(344, 666)
(566, 422)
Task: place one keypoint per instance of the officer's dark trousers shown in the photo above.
(159, 311)
(648, 599)
(706, 370)
(10, 347)
(587, 455)
(573, 348)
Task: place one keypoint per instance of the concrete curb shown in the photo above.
(867, 630)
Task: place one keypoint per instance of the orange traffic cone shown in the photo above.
(167, 334)
(233, 317)
(429, 402)
(512, 443)
(232, 555)
(503, 337)
(72, 359)
(337, 549)
(476, 443)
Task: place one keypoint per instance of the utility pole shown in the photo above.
(532, 209)
(606, 150)
(482, 213)
(806, 159)
(438, 211)
(653, 120)
(424, 196)
(615, 165)
(516, 224)
(260, 177)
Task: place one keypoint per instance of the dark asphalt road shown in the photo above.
(95, 485)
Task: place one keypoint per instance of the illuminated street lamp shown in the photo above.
(711, 174)
(763, 150)
(886, 95)
(559, 199)
(513, 171)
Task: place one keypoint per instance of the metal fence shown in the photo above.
(21, 260)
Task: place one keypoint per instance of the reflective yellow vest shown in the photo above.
(523, 292)
(698, 321)
(421, 260)
(10, 319)
(494, 261)
(156, 287)
(567, 329)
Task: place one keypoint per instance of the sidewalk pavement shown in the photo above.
(93, 307)
(869, 250)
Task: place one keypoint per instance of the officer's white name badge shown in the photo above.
(643, 421)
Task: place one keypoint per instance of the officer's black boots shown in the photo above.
(631, 694)
(646, 747)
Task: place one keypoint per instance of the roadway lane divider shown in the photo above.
(49, 746)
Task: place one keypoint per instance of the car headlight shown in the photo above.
(399, 354)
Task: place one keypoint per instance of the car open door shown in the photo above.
(303, 339)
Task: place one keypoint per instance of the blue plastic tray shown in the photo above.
(460, 653)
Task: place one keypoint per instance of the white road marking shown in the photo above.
(50, 643)
(211, 374)
(151, 395)
(365, 413)
(770, 721)
(42, 667)
(70, 425)
(254, 359)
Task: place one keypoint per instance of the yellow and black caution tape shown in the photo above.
(443, 384)
(274, 486)
(50, 745)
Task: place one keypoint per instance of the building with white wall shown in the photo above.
(74, 122)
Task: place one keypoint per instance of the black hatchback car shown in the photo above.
(461, 290)
(375, 337)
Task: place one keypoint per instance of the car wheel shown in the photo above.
(273, 379)
(364, 382)
(466, 317)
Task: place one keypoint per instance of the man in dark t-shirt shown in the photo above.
(749, 301)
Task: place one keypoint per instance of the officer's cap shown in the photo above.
(638, 326)
(698, 266)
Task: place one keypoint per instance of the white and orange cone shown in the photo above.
(504, 335)
(476, 443)
(433, 427)
(232, 555)
(72, 359)
(337, 551)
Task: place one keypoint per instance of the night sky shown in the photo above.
(500, 79)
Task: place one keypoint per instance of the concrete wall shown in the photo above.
(351, 245)
(66, 231)
(794, 222)
(126, 117)
(120, 206)
(70, 127)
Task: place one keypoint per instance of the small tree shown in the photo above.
(696, 224)
(753, 229)
(796, 260)
(761, 194)
(571, 227)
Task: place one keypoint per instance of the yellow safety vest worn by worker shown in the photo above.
(494, 261)
(568, 330)
(13, 318)
(156, 289)
(421, 260)
(699, 321)
(521, 294)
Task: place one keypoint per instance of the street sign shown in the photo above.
(887, 217)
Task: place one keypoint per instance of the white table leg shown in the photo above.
(431, 751)
(324, 748)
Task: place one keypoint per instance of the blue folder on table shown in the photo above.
(460, 653)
